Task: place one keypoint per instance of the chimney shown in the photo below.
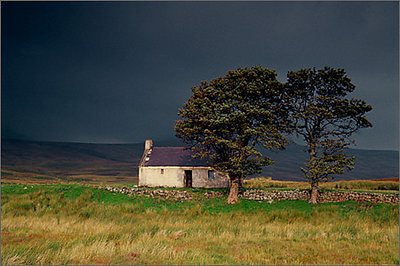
(148, 144)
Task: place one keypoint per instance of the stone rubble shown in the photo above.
(262, 195)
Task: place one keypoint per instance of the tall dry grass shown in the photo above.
(155, 238)
(144, 231)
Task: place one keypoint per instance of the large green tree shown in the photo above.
(225, 119)
(325, 117)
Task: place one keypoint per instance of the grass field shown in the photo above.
(390, 184)
(79, 224)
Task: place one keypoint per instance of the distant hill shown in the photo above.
(118, 162)
(369, 164)
(78, 161)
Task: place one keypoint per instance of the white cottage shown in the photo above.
(175, 167)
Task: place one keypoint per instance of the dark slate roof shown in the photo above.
(173, 156)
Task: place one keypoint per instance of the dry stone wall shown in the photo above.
(324, 196)
(331, 196)
(274, 195)
(179, 195)
(263, 195)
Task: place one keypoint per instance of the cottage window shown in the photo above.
(211, 174)
(162, 171)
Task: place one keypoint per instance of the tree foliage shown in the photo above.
(225, 119)
(324, 116)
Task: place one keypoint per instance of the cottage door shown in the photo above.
(188, 178)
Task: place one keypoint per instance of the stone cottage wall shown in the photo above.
(169, 176)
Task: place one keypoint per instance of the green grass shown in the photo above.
(80, 224)
(356, 185)
(217, 205)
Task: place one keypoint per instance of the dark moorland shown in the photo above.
(33, 160)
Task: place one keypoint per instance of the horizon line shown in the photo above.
(161, 141)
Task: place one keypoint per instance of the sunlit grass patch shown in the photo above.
(355, 185)
(72, 224)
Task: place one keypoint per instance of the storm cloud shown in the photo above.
(117, 72)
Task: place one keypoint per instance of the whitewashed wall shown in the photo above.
(174, 177)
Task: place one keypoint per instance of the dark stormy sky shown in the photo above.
(117, 72)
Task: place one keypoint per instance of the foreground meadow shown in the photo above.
(77, 224)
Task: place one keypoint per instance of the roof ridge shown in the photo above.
(171, 147)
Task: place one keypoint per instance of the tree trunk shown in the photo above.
(233, 197)
(313, 173)
(314, 193)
